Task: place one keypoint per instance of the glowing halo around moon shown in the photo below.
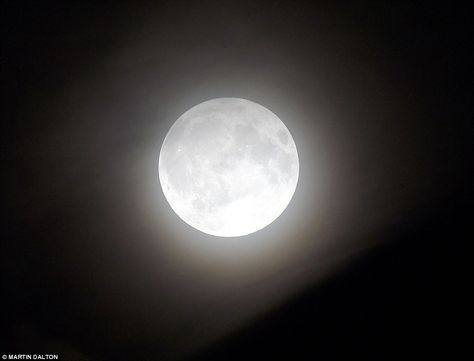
(228, 167)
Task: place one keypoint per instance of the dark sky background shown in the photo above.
(378, 96)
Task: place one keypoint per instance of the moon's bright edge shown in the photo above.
(228, 167)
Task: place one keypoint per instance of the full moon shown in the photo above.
(228, 167)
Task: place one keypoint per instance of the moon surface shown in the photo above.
(228, 167)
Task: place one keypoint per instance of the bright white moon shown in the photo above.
(228, 167)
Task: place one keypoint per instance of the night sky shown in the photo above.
(364, 263)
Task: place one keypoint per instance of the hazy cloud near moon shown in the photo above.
(228, 167)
